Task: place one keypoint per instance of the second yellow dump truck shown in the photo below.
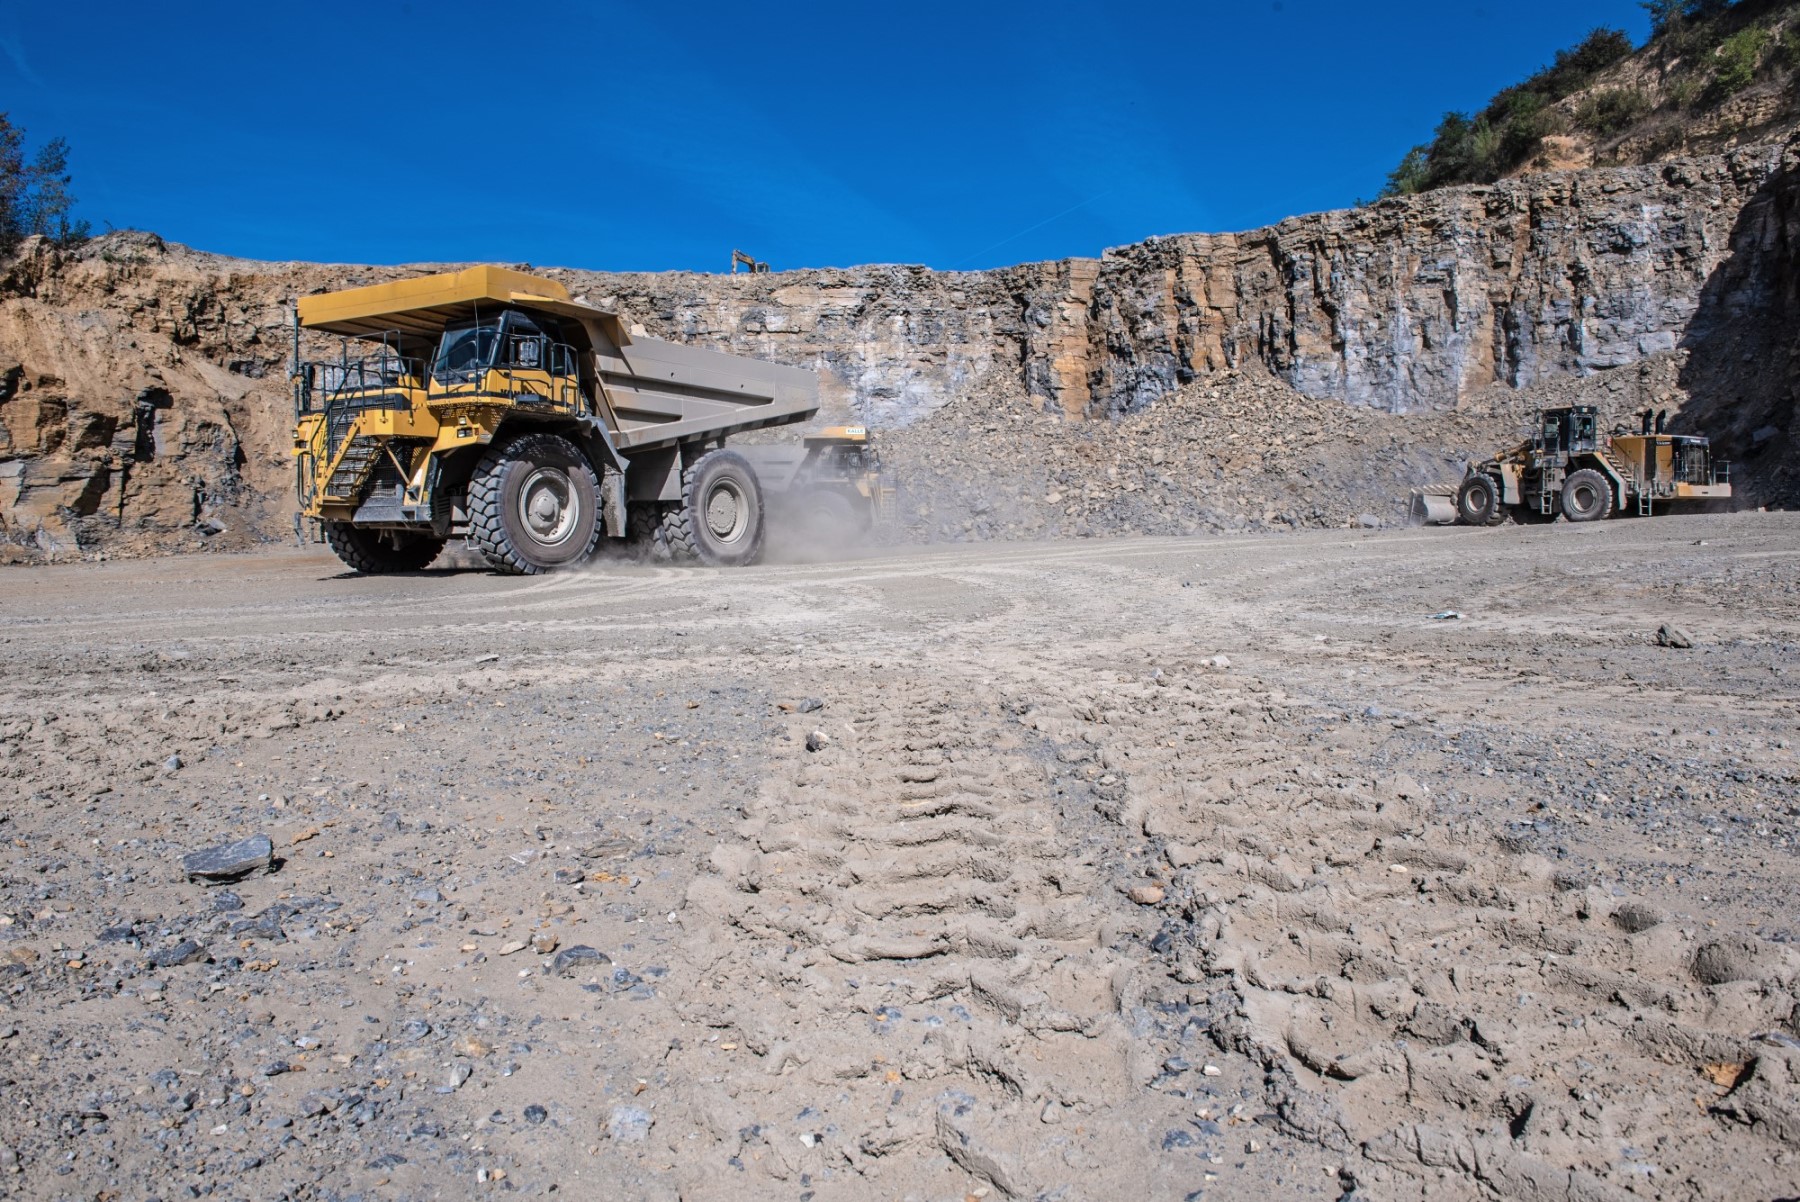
(491, 404)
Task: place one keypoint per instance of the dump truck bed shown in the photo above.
(664, 393)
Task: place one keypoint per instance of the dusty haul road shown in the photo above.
(1148, 869)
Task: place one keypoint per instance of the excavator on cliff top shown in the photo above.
(1568, 468)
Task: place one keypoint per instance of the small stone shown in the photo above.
(173, 764)
(229, 861)
(266, 925)
(811, 705)
(535, 1114)
(186, 952)
(818, 740)
(511, 946)
(544, 942)
(572, 959)
(1672, 636)
(1211, 1070)
(1147, 895)
(1180, 855)
(629, 1125)
(225, 900)
(570, 876)
(428, 896)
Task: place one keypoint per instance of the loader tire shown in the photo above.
(1586, 496)
(828, 518)
(381, 552)
(1478, 502)
(719, 519)
(534, 506)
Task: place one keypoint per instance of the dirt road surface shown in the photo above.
(1385, 865)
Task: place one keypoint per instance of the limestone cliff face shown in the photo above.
(1403, 306)
(142, 405)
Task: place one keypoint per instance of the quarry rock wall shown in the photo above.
(143, 404)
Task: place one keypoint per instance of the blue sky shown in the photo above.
(652, 137)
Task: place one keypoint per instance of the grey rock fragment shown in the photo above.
(229, 861)
(572, 959)
(1672, 636)
(266, 926)
(818, 740)
(186, 952)
(629, 1125)
(535, 1114)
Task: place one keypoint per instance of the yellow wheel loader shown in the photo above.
(488, 403)
(1568, 468)
(831, 488)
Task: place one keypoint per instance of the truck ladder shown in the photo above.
(352, 467)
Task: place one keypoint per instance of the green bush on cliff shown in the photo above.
(1505, 134)
(1611, 110)
(1738, 57)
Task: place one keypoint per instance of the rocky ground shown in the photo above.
(1342, 863)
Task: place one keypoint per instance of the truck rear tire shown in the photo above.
(1478, 502)
(1586, 496)
(534, 506)
(719, 520)
(381, 552)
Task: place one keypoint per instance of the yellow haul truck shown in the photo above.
(489, 403)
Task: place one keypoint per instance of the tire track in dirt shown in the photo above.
(947, 940)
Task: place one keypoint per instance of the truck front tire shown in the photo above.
(719, 520)
(381, 552)
(534, 506)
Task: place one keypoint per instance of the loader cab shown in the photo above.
(1571, 431)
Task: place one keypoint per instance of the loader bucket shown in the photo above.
(1433, 505)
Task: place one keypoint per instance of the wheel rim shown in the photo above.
(1586, 497)
(549, 508)
(727, 512)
